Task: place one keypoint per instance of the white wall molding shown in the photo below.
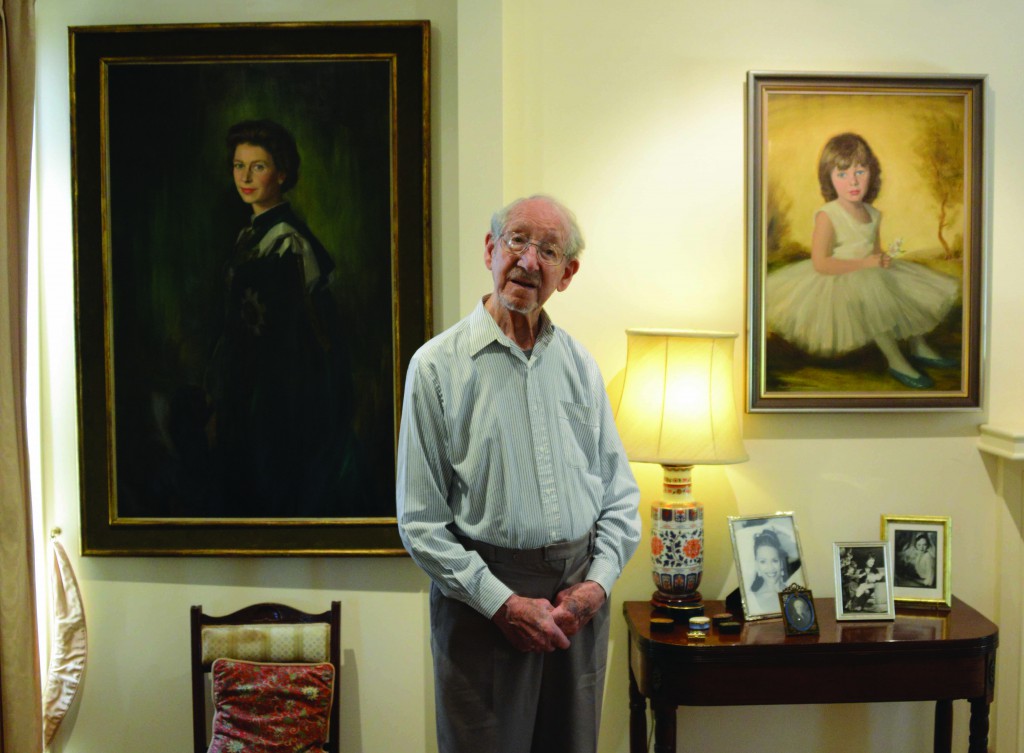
(1002, 442)
(1007, 445)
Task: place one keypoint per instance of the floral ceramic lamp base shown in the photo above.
(677, 545)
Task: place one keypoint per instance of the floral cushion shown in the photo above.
(270, 708)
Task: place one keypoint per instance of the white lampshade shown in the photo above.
(677, 405)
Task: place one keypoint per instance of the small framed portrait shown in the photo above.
(768, 559)
(863, 581)
(798, 613)
(920, 550)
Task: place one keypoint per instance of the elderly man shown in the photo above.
(516, 498)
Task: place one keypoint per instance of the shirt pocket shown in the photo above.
(580, 430)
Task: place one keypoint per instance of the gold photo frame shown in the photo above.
(922, 555)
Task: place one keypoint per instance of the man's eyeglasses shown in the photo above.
(518, 244)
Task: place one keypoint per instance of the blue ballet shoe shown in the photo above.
(921, 382)
(938, 362)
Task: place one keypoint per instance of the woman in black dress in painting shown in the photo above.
(279, 377)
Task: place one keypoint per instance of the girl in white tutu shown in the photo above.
(850, 293)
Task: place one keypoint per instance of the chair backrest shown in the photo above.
(263, 633)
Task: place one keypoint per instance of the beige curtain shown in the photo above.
(69, 648)
(20, 692)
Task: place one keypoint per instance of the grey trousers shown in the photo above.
(492, 698)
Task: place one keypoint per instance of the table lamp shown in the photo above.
(677, 409)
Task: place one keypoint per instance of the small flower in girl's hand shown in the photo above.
(896, 248)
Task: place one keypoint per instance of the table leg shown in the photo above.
(637, 717)
(978, 741)
(943, 740)
(664, 727)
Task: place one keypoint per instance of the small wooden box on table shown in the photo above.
(922, 656)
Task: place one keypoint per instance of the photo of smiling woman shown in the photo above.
(768, 559)
(278, 379)
(772, 570)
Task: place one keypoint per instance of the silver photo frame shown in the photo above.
(768, 558)
(863, 571)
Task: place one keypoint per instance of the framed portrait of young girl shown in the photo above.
(921, 559)
(863, 571)
(865, 266)
(768, 560)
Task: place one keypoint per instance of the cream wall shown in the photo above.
(633, 113)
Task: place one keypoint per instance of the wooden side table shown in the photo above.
(922, 656)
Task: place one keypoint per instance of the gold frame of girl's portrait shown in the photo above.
(742, 543)
(844, 609)
(940, 595)
(181, 356)
(787, 598)
(926, 133)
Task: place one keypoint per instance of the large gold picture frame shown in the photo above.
(814, 342)
(157, 222)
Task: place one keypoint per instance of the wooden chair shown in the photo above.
(246, 635)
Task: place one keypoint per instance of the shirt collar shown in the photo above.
(483, 331)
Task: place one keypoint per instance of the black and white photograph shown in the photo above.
(863, 581)
(920, 551)
(768, 559)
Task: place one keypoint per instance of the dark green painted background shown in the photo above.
(174, 214)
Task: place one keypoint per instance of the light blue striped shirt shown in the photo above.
(515, 451)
